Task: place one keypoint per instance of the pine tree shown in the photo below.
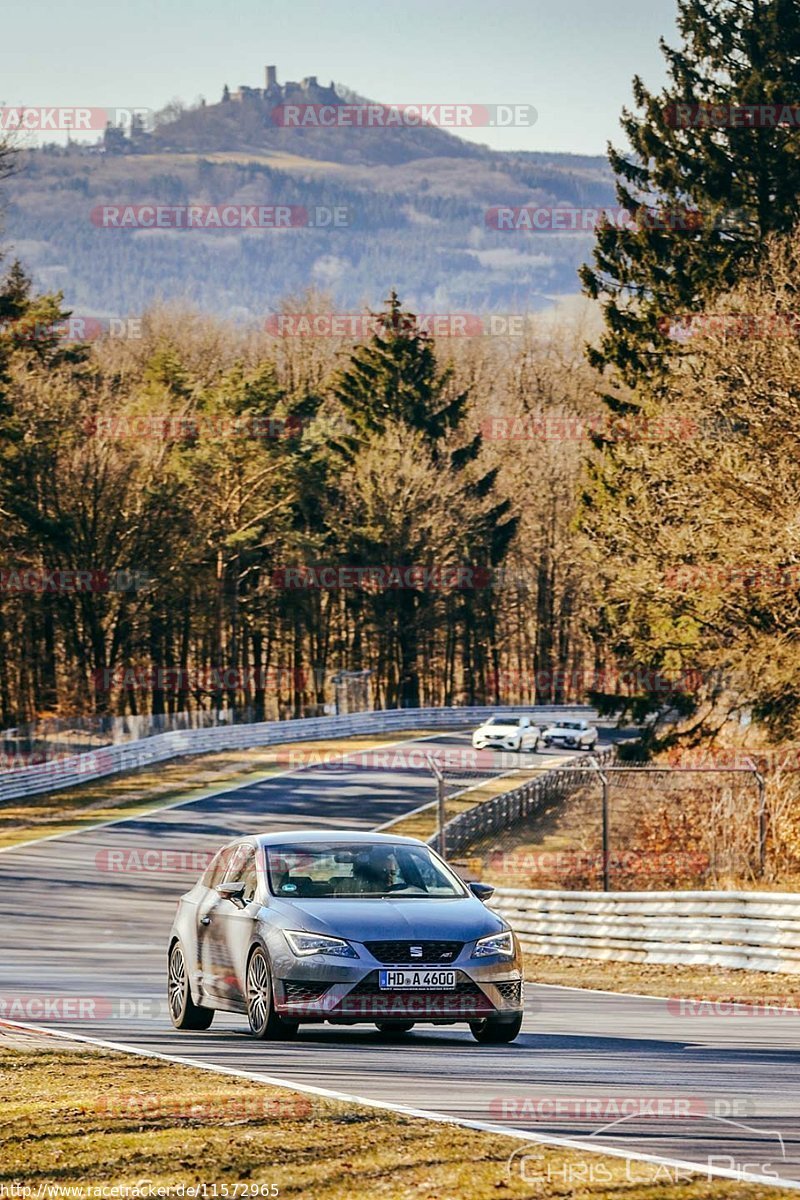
(395, 381)
(743, 181)
(395, 378)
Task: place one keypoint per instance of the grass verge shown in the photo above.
(98, 1120)
(652, 979)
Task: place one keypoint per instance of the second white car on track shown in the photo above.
(579, 735)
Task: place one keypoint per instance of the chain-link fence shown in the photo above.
(603, 825)
(490, 790)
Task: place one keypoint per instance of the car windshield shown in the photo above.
(342, 869)
(504, 721)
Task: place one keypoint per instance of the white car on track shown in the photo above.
(578, 735)
(507, 732)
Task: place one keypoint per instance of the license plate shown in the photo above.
(392, 980)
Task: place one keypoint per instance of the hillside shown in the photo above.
(250, 121)
(415, 202)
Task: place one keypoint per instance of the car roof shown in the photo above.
(293, 836)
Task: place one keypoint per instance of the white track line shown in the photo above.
(407, 1111)
(570, 987)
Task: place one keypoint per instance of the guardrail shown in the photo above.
(110, 760)
(495, 815)
(754, 931)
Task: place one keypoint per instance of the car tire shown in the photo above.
(546, 743)
(265, 1024)
(496, 1031)
(183, 1012)
(394, 1027)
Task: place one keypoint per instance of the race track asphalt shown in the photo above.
(70, 927)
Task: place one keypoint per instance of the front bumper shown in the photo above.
(320, 991)
(496, 743)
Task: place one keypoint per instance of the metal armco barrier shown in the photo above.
(755, 931)
(110, 760)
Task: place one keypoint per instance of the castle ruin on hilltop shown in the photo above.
(275, 93)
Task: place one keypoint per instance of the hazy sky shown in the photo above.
(571, 59)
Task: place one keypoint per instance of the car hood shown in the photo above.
(503, 729)
(365, 919)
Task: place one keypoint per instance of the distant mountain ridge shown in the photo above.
(419, 199)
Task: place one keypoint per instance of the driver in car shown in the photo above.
(377, 872)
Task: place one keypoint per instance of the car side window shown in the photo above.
(215, 870)
(242, 869)
(249, 876)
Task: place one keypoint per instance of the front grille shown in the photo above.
(399, 953)
(298, 990)
(511, 991)
(368, 1002)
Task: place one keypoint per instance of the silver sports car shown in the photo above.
(346, 928)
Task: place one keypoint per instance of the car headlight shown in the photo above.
(495, 943)
(317, 943)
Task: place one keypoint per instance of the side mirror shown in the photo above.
(482, 890)
(233, 892)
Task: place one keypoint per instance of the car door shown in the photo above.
(228, 930)
(206, 907)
